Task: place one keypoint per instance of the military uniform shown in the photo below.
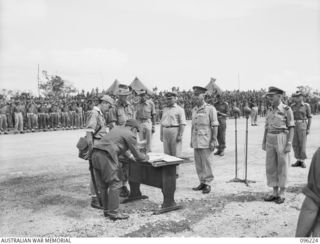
(203, 119)
(172, 118)
(121, 112)
(254, 115)
(278, 122)
(32, 116)
(19, 111)
(65, 119)
(221, 107)
(72, 116)
(301, 114)
(95, 121)
(107, 168)
(9, 114)
(79, 116)
(42, 115)
(3, 119)
(54, 116)
(146, 116)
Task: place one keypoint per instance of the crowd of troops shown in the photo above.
(32, 115)
(20, 114)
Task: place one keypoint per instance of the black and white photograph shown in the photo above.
(159, 119)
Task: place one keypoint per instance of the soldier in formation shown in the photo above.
(302, 119)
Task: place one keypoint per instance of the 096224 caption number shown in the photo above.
(309, 240)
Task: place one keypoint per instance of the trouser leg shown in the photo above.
(35, 121)
(166, 141)
(5, 124)
(199, 165)
(295, 143)
(81, 120)
(63, 120)
(222, 134)
(29, 121)
(303, 141)
(16, 120)
(203, 165)
(283, 160)
(21, 122)
(1, 123)
(113, 196)
(146, 134)
(102, 188)
(252, 117)
(271, 161)
(171, 146)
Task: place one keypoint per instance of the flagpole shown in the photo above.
(38, 81)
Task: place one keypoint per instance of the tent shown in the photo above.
(212, 87)
(137, 85)
(113, 88)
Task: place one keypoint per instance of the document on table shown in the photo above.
(157, 157)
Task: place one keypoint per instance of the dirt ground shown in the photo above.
(44, 192)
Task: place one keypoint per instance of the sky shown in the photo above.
(247, 44)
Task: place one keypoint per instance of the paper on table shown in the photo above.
(156, 157)
(153, 157)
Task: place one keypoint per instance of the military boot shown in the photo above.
(115, 215)
(199, 187)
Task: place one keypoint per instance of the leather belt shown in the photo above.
(300, 120)
(277, 131)
(142, 120)
(173, 126)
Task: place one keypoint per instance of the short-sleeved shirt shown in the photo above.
(301, 111)
(120, 113)
(43, 109)
(203, 118)
(96, 120)
(79, 110)
(279, 118)
(65, 109)
(9, 109)
(173, 116)
(19, 109)
(222, 107)
(145, 110)
(32, 109)
(3, 109)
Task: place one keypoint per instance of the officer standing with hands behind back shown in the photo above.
(203, 138)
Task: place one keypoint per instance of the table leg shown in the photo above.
(168, 190)
(135, 193)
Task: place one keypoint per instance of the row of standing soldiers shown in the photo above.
(31, 116)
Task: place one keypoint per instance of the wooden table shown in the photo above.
(159, 172)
